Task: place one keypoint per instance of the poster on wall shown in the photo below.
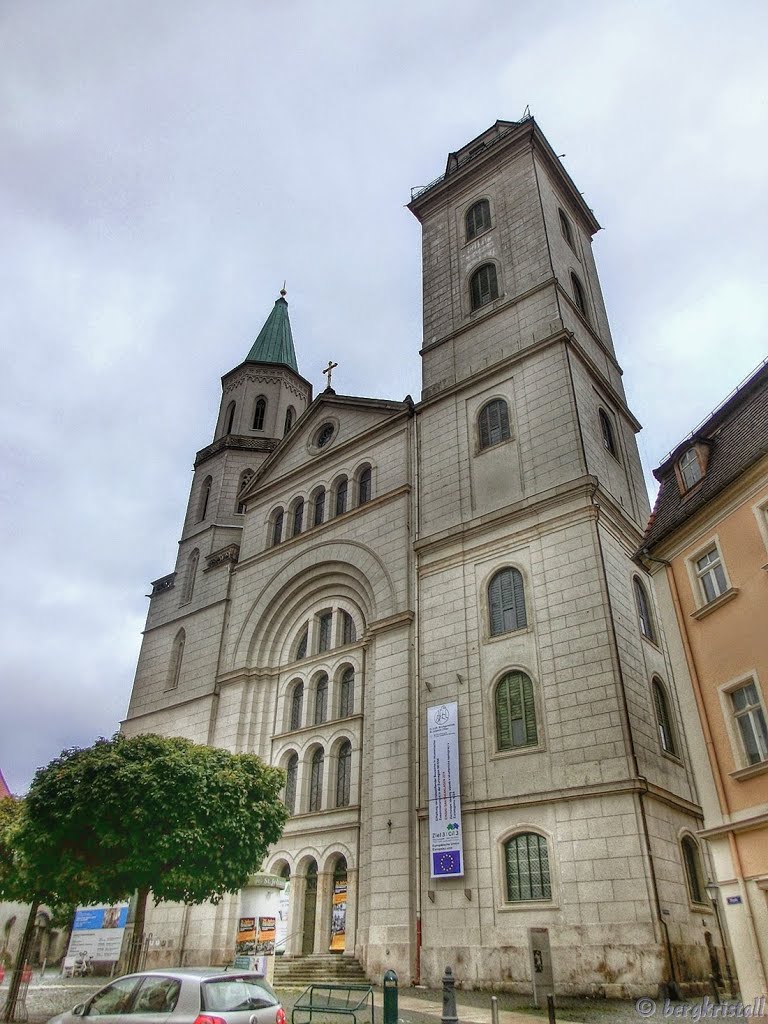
(339, 918)
(97, 933)
(245, 944)
(446, 852)
(265, 936)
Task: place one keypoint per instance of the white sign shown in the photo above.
(446, 853)
(97, 933)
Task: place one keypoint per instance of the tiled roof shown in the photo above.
(4, 791)
(736, 436)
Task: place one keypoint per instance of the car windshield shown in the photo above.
(224, 995)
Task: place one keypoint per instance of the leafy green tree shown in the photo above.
(183, 821)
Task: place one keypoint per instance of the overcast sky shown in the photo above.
(165, 166)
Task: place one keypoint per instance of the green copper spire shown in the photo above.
(275, 341)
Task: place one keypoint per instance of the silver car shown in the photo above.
(184, 995)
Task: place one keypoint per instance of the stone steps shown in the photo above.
(298, 972)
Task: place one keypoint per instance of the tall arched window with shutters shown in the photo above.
(506, 602)
(229, 420)
(344, 774)
(664, 718)
(478, 218)
(515, 712)
(259, 412)
(291, 778)
(316, 780)
(493, 423)
(483, 286)
(643, 610)
(693, 871)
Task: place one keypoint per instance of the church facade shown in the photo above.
(348, 565)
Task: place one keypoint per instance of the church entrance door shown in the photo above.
(310, 910)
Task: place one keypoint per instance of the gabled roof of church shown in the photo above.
(275, 341)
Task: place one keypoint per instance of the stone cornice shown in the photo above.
(223, 556)
(236, 442)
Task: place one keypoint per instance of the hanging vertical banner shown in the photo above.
(446, 852)
(339, 917)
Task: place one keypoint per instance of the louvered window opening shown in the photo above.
(515, 712)
(297, 705)
(344, 775)
(506, 599)
(478, 218)
(484, 286)
(292, 772)
(527, 868)
(321, 700)
(494, 423)
(316, 781)
(664, 718)
(347, 698)
(259, 413)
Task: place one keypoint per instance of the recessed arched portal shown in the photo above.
(339, 907)
(310, 909)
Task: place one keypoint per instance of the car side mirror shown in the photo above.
(79, 1010)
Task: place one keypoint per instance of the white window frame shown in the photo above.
(697, 574)
(741, 760)
(683, 465)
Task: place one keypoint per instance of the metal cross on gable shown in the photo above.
(329, 370)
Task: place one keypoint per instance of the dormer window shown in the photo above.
(690, 468)
(478, 218)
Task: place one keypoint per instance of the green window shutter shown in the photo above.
(529, 711)
(503, 716)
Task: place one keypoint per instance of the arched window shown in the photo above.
(301, 646)
(493, 423)
(483, 286)
(289, 417)
(478, 218)
(693, 871)
(297, 705)
(506, 602)
(578, 295)
(291, 778)
(515, 712)
(643, 610)
(347, 694)
(690, 468)
(321, 699)
(565, 227)
(277, 527)
(318, 506)
(606, 429)
(189, 577)
(174, 666)
(259, 412)
(344, 774)
(298, 517)
(364, 486)
(324, 621)
(340, 505)
(526, 863)
(205, 496)
(347, 628)
(316, 781)
(230, 418)
(664, 717)
(245, 478)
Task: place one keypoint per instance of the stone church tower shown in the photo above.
(350, 566)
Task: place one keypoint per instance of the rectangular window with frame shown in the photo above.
(749, 714)
(711, 574)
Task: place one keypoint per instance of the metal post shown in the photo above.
(449, 998)
(551, 1009)
(494, 1010)
(390, 997)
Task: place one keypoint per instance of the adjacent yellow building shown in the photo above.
(707, 548)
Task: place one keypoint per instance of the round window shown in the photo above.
(324, 435)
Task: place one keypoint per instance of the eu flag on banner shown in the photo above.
(446, 863)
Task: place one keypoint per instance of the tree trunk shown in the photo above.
(137, 939)
(21, 956)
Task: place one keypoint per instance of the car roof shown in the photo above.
(203, 973)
